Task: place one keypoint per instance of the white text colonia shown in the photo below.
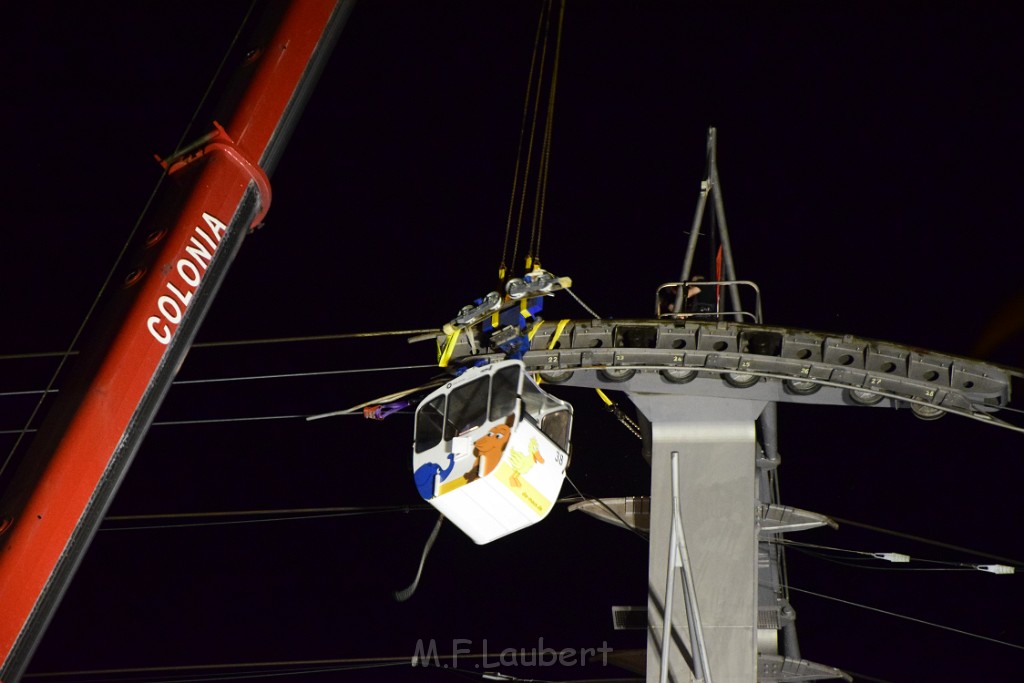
(189, 269)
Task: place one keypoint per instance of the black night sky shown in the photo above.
(870, 157)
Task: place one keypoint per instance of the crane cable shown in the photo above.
(245, 342)
(943, 627)
(527, 134)
(502, 269)
(533, 257)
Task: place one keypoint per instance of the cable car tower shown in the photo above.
(706, 375)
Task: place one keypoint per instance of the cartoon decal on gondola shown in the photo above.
(427, 473)
(487, 452)
(490, 450)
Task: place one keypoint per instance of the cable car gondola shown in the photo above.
(490, 450)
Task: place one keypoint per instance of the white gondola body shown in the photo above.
(490, 450)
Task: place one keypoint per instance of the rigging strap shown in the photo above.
(615, 410)
(406, 593)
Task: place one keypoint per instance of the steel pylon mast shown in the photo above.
(711, 458)
(706, 375)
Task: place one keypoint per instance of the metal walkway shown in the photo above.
(726, 359)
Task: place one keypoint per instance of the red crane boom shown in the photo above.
(214, 192)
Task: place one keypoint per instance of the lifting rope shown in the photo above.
(508, 315)
(533, 257)
(527, 140)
